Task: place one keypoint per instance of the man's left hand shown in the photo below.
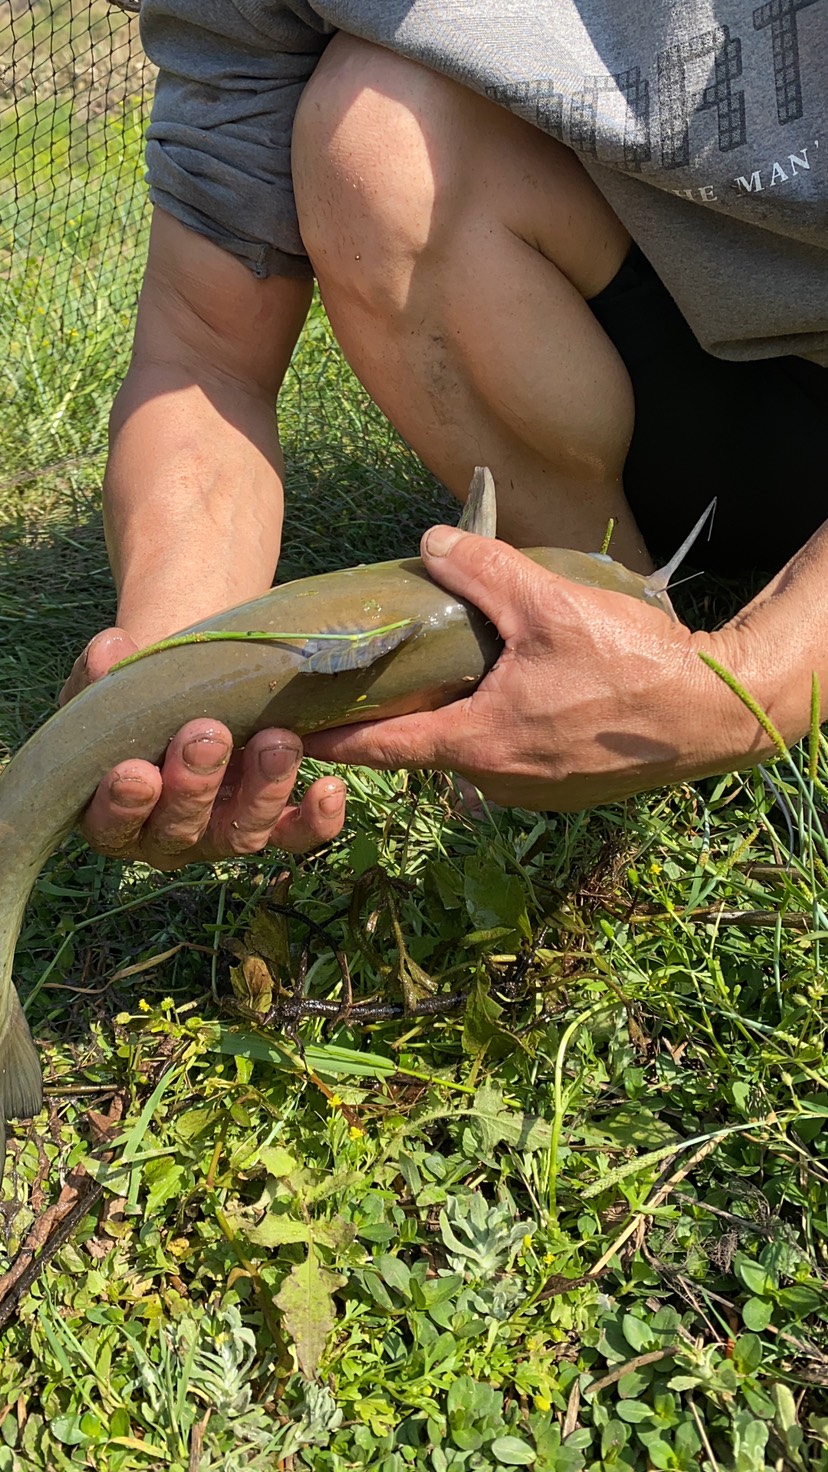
(595, 695)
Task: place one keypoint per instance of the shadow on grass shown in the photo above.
(55, 589)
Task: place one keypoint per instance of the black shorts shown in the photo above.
(752, 434)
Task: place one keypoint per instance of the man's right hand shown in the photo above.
(206, 801)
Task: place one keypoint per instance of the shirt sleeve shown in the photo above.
(230, 75)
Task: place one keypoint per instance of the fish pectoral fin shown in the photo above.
(353, 651)
(21, 1081)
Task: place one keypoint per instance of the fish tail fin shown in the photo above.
(21, 1081)
(659, 581)
(480, 511)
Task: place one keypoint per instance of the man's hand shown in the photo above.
(206, 801)
(595, 696)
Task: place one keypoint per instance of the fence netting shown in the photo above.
(75, 91)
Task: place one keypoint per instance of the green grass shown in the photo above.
(579, 1222)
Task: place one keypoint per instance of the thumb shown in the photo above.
(502, 582)
(106, 649)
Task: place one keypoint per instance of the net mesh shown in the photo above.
(74, 99)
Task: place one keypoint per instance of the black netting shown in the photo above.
(75, 90)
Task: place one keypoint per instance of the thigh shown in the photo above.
(752, 434)
(382, 138)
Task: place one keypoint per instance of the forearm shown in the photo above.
(192, 498)
(193, 488)
(193, 511)
(779, 642)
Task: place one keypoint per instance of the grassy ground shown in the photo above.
(579, 1221)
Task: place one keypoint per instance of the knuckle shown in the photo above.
(165, 863)
(113, 843)
(300, 841)
(174, 840)
(241, 841)
(111, 848)
(386, 758)
(493, 561)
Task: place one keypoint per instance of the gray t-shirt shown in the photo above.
(703, 122)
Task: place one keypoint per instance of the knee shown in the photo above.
(370, 171)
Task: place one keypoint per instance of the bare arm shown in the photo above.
(780, 640)
(193, 514)
(193, 489)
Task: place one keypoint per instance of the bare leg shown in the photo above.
(455, 246)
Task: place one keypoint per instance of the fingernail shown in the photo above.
(439, 541)
(332, 804)
(277, 762)
(129, 792)
(206, 754)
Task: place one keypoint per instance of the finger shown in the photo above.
(470, 801)
(106, 649)
(194, 769)
(317, 819)
(431, 739)
(244, 823)
(121, 806)
(502, 582)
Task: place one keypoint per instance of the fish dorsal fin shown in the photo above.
(480, 511)
(659, 581)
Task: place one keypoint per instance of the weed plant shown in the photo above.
(578, 1221)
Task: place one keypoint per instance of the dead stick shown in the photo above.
(659, 1197)
(636, 1364)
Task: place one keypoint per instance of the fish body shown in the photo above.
(446, 649)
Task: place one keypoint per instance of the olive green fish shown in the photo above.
(325, 651)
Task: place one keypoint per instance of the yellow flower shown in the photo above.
(355, 1133)
(335, 1101)
(143, 1005)
(542, 1404)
